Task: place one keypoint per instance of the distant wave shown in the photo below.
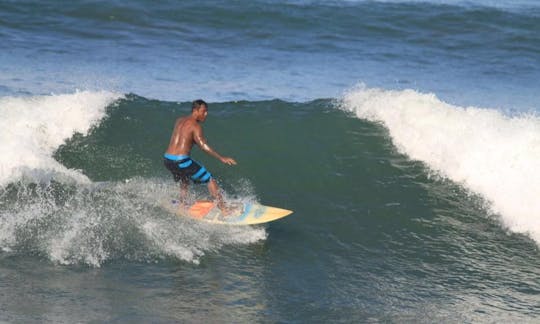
(489, 153)
(295, 50)
(502, 4)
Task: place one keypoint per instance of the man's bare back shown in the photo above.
(182, 137)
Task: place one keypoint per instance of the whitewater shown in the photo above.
(489, 153)
(32, 128)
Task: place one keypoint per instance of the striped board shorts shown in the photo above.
(184, 168)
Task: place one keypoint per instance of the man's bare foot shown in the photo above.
(183, 207)
(228, 210)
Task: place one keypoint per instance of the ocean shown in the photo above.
(405, 135)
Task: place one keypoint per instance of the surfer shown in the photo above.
(188, 131)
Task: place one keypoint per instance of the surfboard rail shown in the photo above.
(242, 213)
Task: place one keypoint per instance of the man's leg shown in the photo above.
(184, 183)
(214, 191)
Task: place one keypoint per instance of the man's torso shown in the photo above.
(182, 137)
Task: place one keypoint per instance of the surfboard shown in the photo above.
(241, 213)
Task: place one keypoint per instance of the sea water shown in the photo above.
(404, 134)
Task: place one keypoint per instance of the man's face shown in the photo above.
(202, 112)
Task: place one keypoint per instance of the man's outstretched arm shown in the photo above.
(199, 139)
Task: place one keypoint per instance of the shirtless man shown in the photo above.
(187, 131)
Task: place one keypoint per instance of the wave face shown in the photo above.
(58, 212)
(374, 234)
(489, 153)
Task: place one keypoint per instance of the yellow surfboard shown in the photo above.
(241, 213)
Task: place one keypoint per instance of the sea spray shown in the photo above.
(32, 128)
(99, 222)
(489, 153)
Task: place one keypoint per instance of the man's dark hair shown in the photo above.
(197, 104)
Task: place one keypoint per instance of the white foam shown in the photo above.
(32, 128)
(98, 222)
(491, 154)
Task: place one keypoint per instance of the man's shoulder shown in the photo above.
(193, 123)
(189, 123)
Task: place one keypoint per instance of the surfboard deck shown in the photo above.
(241, 214)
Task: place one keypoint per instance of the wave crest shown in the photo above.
(32, 128)
(489, 153)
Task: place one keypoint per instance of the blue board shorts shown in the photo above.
(184, 168)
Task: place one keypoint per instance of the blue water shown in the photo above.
(467, 52)
(404, 134)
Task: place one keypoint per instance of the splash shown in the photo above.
(32, 128)
(95, 223)
(489, 153)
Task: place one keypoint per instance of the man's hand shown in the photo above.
(228, 160)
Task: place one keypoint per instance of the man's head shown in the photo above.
(199, 109)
